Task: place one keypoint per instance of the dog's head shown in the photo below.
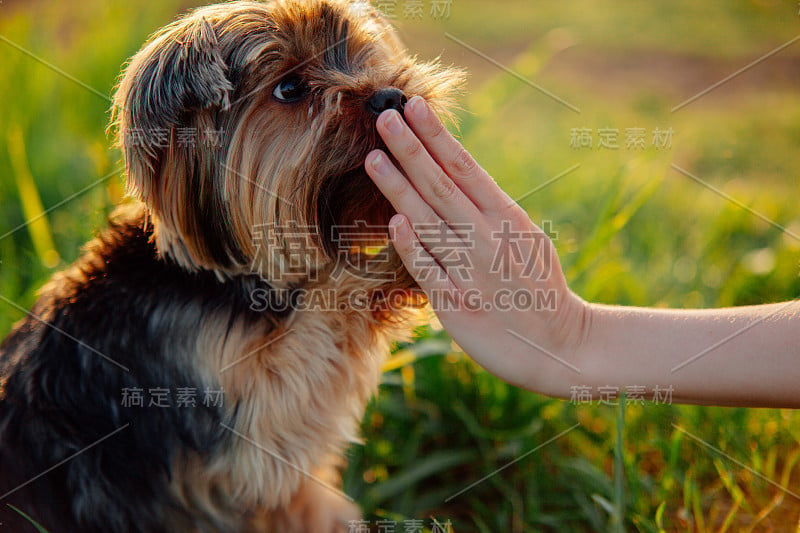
(245, 125)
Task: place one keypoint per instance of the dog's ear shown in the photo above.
(177, 75)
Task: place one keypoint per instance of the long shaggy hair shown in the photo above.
(244, 127)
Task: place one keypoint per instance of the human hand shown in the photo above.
(492, 276)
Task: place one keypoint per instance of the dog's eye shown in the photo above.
(290, 89)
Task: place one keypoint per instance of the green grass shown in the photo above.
(631, 230)
(38, 527)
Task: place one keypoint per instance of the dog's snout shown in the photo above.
(388, 98)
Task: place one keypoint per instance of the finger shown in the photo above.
(456, 161)
(438, 237)
(430, 275)
(433, 183)
(397, 189)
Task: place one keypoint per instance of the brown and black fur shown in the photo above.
(165, 296)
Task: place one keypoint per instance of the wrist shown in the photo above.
(572, 324)
(570, 332)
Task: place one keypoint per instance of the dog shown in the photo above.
(252, 261)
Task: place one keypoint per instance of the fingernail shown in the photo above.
(380, 163)
(393, 123)
(396, 225)
(417, 107)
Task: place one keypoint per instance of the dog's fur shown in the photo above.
(164, 297)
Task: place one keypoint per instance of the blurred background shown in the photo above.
(584, 111)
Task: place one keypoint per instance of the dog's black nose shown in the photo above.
(389, 98)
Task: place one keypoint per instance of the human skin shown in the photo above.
(742, 356)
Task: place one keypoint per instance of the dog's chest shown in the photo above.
(295, 398)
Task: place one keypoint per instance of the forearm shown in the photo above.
(747, 356)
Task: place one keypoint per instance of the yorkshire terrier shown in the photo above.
(253, 262)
